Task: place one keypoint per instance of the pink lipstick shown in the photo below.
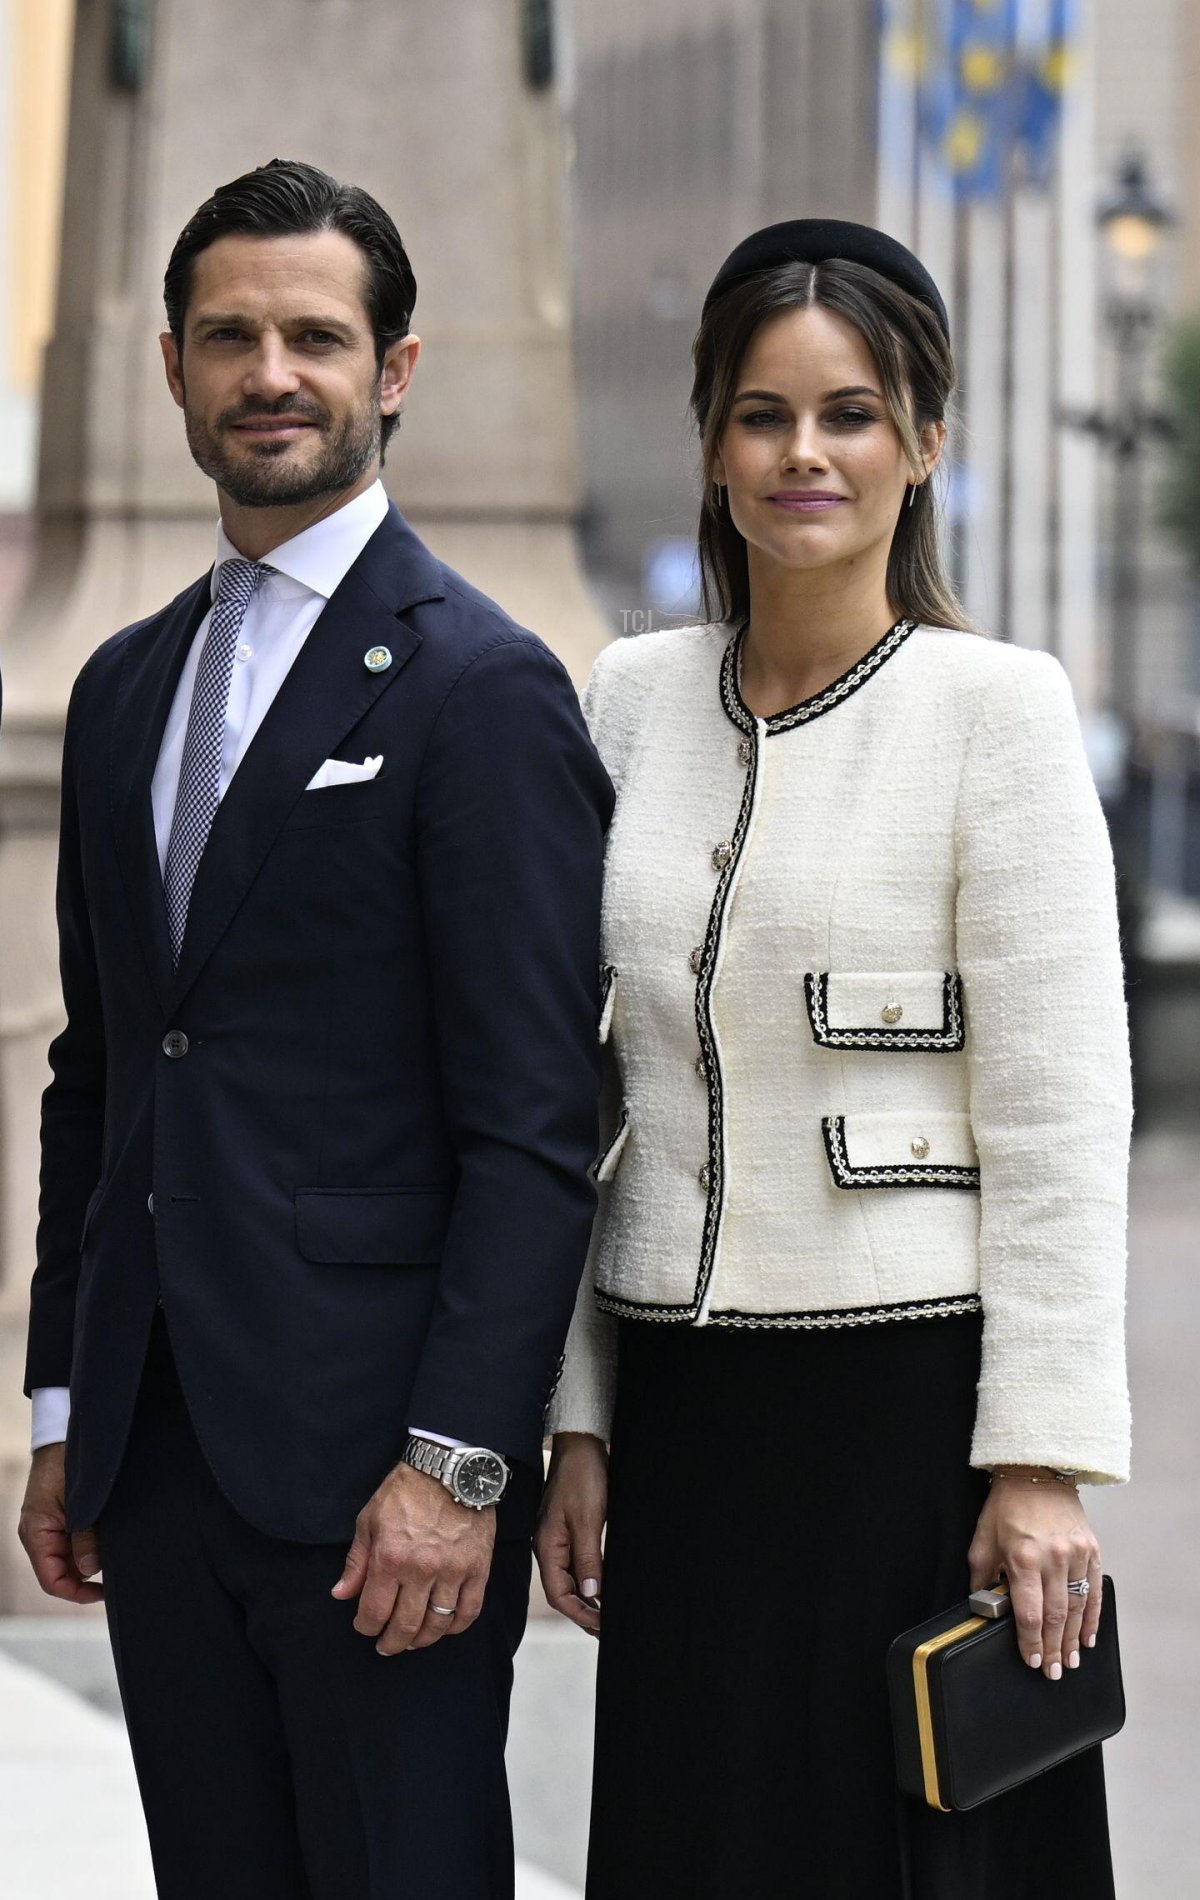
(811, 501)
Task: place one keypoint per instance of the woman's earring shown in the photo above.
(912, 492)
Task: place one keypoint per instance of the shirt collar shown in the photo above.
(319, 559)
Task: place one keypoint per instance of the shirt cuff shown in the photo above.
(436, 1438)
(51, 1413)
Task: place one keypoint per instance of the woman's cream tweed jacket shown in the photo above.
(864, 996)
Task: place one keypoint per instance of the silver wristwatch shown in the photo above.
(471, 1474)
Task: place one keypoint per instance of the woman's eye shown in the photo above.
(854, 418)
(762, 419)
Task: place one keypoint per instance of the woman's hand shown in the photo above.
(1039, 1537)
(571, 1526)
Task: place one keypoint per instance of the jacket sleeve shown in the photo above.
(583, 1398)
(513, 807)
(72, 1106)
(1050, 1099)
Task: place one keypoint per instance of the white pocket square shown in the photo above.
(341, 772)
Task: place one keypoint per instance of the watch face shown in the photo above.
(480, 1478)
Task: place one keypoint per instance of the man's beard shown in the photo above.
(264, 478)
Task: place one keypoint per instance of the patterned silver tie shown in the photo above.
(199, 791)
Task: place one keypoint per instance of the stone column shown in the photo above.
(438, 113)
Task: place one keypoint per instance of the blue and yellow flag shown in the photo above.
(989, 77)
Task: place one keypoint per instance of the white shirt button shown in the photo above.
(244, 652)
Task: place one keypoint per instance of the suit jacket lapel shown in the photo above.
(153, 661)
(326, 693)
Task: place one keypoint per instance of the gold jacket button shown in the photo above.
(721, 855)
(892, 1012)
(696, 959)
(704, 1177)
(920, 1147)
(377, 660)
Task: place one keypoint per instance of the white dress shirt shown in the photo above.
(301, 577)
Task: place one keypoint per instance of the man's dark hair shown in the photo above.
(286, 198)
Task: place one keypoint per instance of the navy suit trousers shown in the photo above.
(280, 1757)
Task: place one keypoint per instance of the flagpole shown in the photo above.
(962, 352)
(1008, 380)
(1054, 511)
(920, 47)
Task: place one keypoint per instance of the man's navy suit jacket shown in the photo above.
(361, 1192)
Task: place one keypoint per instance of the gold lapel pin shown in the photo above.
(377, 660)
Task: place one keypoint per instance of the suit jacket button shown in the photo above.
(721, 856)
(175, 1044)
(704, 1177)
(745, 751)
(696, 959)
(920, 1147)
(150, 1204)
(892, 1012)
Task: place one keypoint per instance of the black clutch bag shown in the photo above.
(971, 1719)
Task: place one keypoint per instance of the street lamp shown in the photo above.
(1132, 224)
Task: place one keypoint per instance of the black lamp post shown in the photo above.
(1132, 224)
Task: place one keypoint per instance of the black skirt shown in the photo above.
(782, 1505)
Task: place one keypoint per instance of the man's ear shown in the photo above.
(172, 364)
(396, 373)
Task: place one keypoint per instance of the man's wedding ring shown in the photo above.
(1079, 1587)
(439, 1611)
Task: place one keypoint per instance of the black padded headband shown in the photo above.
(816, 241)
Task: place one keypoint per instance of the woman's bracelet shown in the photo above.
(1037, 1474)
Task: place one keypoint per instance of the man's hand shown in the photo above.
(62, 1560)
(414, 1547)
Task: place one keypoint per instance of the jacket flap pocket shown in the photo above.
(372, 1227)
(608, 999)
(890, 1009)
(901, 1148)
(606, 1165)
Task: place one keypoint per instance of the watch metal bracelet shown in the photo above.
(427, 1457)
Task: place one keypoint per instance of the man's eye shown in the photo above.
(224, 336)
(320, 336)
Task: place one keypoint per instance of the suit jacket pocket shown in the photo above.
(351, 803)
(372, 1226)
(901, 1148)
(898, 1009)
